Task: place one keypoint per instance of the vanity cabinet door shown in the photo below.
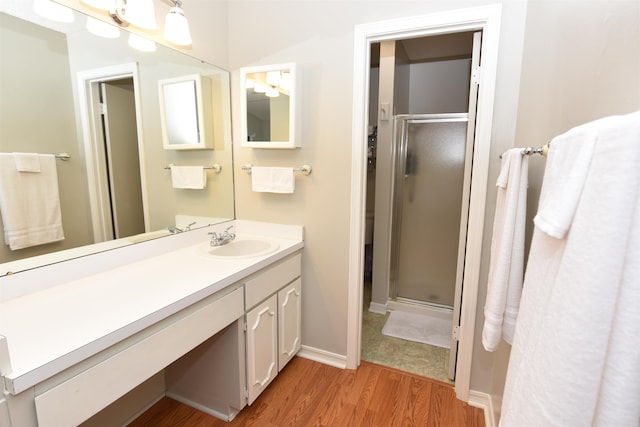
(289, 324)
(262, 343)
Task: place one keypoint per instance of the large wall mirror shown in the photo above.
(269, 106)
(65, 90)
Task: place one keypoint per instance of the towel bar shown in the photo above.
(305, 169)
(215, 167)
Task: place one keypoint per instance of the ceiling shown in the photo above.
(431, 48)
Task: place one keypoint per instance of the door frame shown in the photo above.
(92, 139)
(486, 19)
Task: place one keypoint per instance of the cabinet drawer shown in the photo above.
(271, 280)
(85, 394)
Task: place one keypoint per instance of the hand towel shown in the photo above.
(30, 203)
(272, 180)
(27, 162)
(507, 251)
(190, 177)
(575, 358)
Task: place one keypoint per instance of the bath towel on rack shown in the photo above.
(506, 268)
(574, 359)
(30, 203)
(272, 180)
(27, 162)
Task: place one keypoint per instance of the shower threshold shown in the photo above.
(421, 307)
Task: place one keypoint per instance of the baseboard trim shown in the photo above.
(205, 409)
(322, 356)
(483, 401)
(376, 307)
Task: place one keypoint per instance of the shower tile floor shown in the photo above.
(414, 357)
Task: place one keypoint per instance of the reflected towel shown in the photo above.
(272, 180)
(190, 177)
(506, 268)
(30, 203)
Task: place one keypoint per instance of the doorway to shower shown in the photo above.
(419, 189)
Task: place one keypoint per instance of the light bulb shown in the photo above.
(176, 28)
(272, 92)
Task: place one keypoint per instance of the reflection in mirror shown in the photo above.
(65, 90)
(186, 104)
(268, 106)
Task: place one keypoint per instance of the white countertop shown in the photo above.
(54, 328)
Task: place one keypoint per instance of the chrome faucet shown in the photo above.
(222, 239)
(176, 230)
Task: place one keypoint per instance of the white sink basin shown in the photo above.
(242, 248)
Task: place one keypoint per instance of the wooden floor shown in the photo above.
(308, 393)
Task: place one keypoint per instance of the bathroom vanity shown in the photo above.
(76, 338)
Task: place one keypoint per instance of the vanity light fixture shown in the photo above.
(140, 13)
(53, 11)
(102, 29)
(176, 26)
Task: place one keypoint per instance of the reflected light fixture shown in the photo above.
(142, 44)
(140, 13)
(53, 11)
(273, 78)
(272, 92)
(260, 88)
(102, 29)
(176, 26)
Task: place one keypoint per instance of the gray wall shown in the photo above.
(320, 40)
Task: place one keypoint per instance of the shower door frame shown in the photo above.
(399, 155)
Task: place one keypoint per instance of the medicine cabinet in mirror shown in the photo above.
(185, 104)
(269, 106)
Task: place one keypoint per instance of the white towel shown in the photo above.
(27, 162)
(567, 168)
(30, 203)
(507, 251)
(575, 358)
(272, 180)
(189, 177)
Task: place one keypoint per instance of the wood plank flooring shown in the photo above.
(308, 393)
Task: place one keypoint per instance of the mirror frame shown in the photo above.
(294, 140)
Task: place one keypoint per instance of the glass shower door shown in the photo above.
(428, 191)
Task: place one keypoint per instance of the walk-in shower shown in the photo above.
(429, 168)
